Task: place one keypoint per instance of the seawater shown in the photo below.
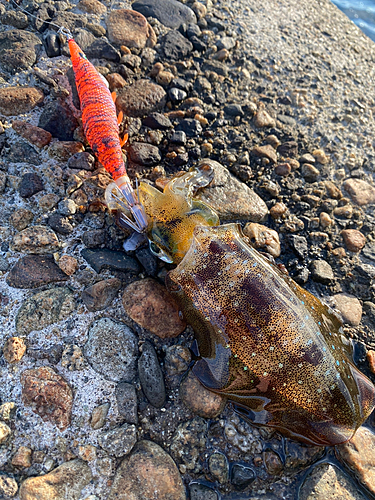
(361, 12)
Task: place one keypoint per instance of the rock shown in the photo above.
(59, 120)
(48, 394)
(43, 309)
(190, 127)
(189, 441)
(67, 207)
(22, 457)
(149, 304)
(327, 481)
(149, 472)
(3, 181)
(272, 462)
(63, 150)
(100, 259)
(21, 218)
(177, 360)
(226, 42)
(4, 264)
(309, 172)
(130, 28)
(178, 137)
(148, 261)
(92, 6)
(349, 307)
(288, 149)
(176, 95)
(48, 201)
(141, 98)
(82, 161)
(151, 376)
(35, 240)
(126, 398)
(360, 191)
(100, 295)
(283, 169)
(307, 158)
(200, 400)
(52, 354)
(30, 184)
(7, 411)
(112, 350)
(102, 49)
(233, 110)
(21, 152)
(354, 240)
(33, 271)
(200, 491)
(262, 118)
(99, 415)
(18, 50)
(219, 467)
(321, 271)
(87, 453)
(8, 486)
(16, 19)
(36, 135)
(94, 238)
(171, 13)
(5, 432)
(217, 67)
(175, 46)
(18, 100)
(144, 154)
(66, 481)
(120, 441)
(157, 121)
(232, 199)
(14, 349)
(72, 358)
(263, 237)
(241, 476)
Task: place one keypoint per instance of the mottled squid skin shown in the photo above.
(264, 342)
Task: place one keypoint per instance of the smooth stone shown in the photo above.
(263, 237)
(360, 191)
(19, 50)
(5, 432)
(231, 198)
(112, 350)
(144, 154)
(149, 261)
(120, 441)
(148, 303)
(99, 415)
(151, 376)
(21, 152)
(100, 259)
(265, 152)
(148, 472)
(321, 271)
(241, 476)
(21, 218)
(354, 240)
(33, 271)
(263, 119)
(127, 402)
(202, 492)
(233, 110)
(176, 46)
(48, 394)
(92, 6)
(102, 49)
(141, 98)
(36, 135)
(219, 467)
(100, 295)
(200, 400)
(171, 13)
(58, 120)
(157, 121)
(22, 458)
(349, 307)
(130, 28)
(66, 481)
(190, 127)
(35, 240)
(60, 224)
(226, 42)
(176, 95)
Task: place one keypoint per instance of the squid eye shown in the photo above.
(160, 253)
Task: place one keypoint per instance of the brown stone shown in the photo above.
(354, 240)
(141, 99)
(48, 394)
(35, 240)
(21, 218)
(98, 416)
(283, 169)
(5, 432)
(371, 360)
(48, 201)
(36, 135)
(332, 190)
(263, 237)
(263, 119)
(63, 150)
(360, 191)
(63, 483)
(33, 271)
(130, 28)
(13, 350)
(149, 304)
(115, 81)
(22, 457)
(200, 400)
(68, 264)
(349, 307)
(100, 295)
(17, 100)
(148, 472)
(92, 6)
(87, 452)
(278, 210)
(265, 152)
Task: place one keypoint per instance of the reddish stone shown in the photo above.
(36, 135)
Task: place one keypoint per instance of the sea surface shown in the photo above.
(361, 12)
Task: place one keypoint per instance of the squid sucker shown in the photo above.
(267, 344)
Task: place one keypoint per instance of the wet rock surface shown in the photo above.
(33, 271)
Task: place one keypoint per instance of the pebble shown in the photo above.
(48, 394)
(241, 476)
(200, 491)
(178, 137)
(94, 238)
(149, 472)
(321, 271)
(7, 410)
(120, 441)
(149, 304)
(21, 152)
(177, 360)
(100, 295)
(36, 135)
(14, 349)
(63, 150)
(8, 486)
(190, 127)
(327, 481)
(100, 259)
(344, 212)
(171, 13)
(18, 50)
(22, 457)
(360, 191)
(87, 452)
(263, 237)
(151, 376)
(18, 100)
(144, 154)
(354, 240)
(217, 67)
(130, 28)
(149, 261)
(141, 98)
(21, 218)
(265, 152)
(33, 271)
(35, 240)
(127, 403)
(30, 184)
(263, 119)
(4, 264)
(59, 120)
(283, 169)
(371, 360)
(349, 307)
(320, 156)
(188, 442)
(70, 477)
(5, 432)
(200, 400)
(72, 358)
(176, 95)
(116, 81)
(43, 309)
(3, 181)
(112, 350)
(219, 467)
(278, 210)
(332, 190)
(272, 462)
(53, 353)
(288, 149)
(99, 415)
(157, 121)
(92, 6)
(48, 201)
(175, 46)
(102, 49)
(67, 207)
(232, 199)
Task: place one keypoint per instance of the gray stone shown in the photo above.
(18, 49)
(144, 154)
(112, 350)
(321, 271)
(126, 397)
(4, 264)
(151, 376)
(120, 441)
(30, 184)
(141, 98)
(200, 491)
(171, 13)
(175, 45)
(110, 259)
(100, 295)
(33, 271)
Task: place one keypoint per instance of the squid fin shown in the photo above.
(120, 116)
(124, 139)
(114, 96)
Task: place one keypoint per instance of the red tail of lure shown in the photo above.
(100, 125)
